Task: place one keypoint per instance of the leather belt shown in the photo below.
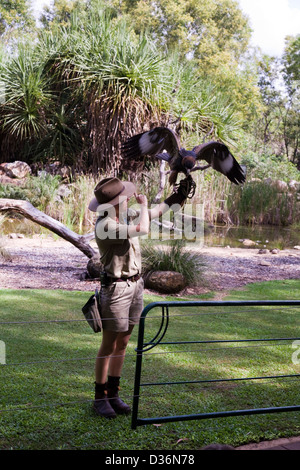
(134, 278)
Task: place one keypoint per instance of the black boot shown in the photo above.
(101, 404)
(117, 404)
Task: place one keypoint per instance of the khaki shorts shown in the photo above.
(121, 305)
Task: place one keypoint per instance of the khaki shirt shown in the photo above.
(120, 255)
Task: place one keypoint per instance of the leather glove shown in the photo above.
(183, 190)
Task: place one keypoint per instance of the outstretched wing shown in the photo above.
(220, 159)
(152, 143)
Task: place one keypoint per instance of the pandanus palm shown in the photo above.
(26, 97)
(124, 87)
(85, 88)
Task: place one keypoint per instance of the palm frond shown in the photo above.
(26, 96)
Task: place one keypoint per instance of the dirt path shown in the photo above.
(45, 263)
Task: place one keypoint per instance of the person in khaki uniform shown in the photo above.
(121, 294)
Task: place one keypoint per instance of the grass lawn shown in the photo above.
(47, 383)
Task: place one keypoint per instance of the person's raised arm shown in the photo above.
(142, 228)
(175, 201)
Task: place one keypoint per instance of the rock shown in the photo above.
(247, 242)
(94, 267)
(297, 247)
(55, 168)
(255, 180)
(4, 179)
(294, 185)
(84, 276)
(16, 235)
(64, 172)
(275, 251)
(265, 263)
(16, 169)
(262, 251)
(268, 181)
(282, 186)
(167, 282)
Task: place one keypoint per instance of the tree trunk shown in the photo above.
(30, 212)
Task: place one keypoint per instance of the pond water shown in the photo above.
(222, 236)
(265, 236)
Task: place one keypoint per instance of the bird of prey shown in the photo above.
(163, 143)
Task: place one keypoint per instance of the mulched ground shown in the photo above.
(44, 263)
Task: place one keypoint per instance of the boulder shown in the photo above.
(16, 169)
(16, 235)
(247, 242)
(281, 186)
(167, 282)
(294, 186)
(94, 267)
(4, 179)
(268, 181)
(265, 263)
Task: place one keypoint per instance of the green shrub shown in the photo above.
(173, 257)
(38, 191)
(8, 191)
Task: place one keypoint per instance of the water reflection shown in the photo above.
(264, 236)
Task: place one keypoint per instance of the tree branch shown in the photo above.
(26, 209)
(162, 181)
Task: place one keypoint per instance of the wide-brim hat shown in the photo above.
(110, 192)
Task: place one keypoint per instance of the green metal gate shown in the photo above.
(143, 347)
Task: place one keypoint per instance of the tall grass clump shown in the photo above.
(74, 207)
(213, 191)
(173, 256)
(260, 202)
(67, 203)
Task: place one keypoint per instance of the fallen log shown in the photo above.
(26, 209)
